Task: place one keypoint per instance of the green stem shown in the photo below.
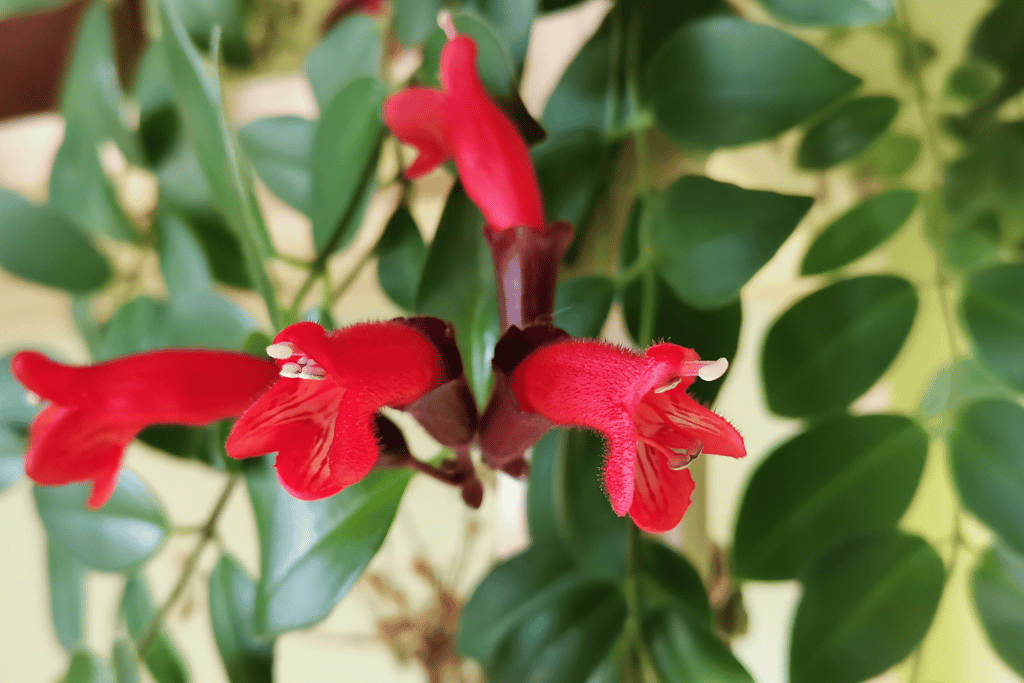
(208, 532)
(352, 275)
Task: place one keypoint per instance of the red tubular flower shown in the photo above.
(319, 416)
(95, 411)
(639, 402)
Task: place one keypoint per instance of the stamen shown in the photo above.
(681, 457)
(671, 385)
(303, 360)
(280, 351)
(291, 370)
(713, 370)
(32, 399)
(444, 20)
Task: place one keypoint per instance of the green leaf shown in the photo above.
(580, 99)
(892, 156)
(15, 411)
(985, 449)
(492, 61)
(684, 651)
(866, 605)
(859, 231)
(993, 308)
(222, 248)
(67, 578)
(813, 491)
(139, 325)
(12, 468)
(400, 258)
(712, 237)
(85, 667)
(973, 81)
(128, 530)
(997, 586)
(544, 489)
(125, 662)
(513, 591)
(668, 580)
(281, 150)
(350, 130)
(182, 262)
(832, 345)
(725, 81)
(11, 8)
(414, 20)
(564, 642)
(201, 17)
(39, 244)
(582, 305)
(832, 12)
(998, 40)
(247, 658)
(351, 50)
(511, 20)
(458, 283)
(163, 659)
(572, 168)
(847, 131)
(314, 551)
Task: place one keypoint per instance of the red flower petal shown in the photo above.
(661, 495)
(414, 115)
(677, 421)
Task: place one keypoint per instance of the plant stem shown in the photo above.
(207, 534)
(350, 279)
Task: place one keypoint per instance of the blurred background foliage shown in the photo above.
(876, 146)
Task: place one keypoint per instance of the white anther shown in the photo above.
(291, 370)
(671, 385)
(302, 361)
(280, 350)
(713, 370)
(32, 399)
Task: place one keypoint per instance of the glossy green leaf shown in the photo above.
(993, 308)
(997, 586)
(128, 530)
(847, 131)
(580, 100)
(11, 8)
(458, 280)
(511, 20)
(350, 129)
(39, 244)
(414, 20)
(832, 345)
(351, 50)
(400, 258)
(222, 248)
(813, 491)
(201, 17)
(565, 641)
(866, 605)
(513, 591)
(952, 387)
(582, 305)
(15, 411)
(314, 551)
(985, 449)
(725, 81)
(12, 450)
(247, 658)
(182, 261)
(163, 659)
(124, 662)
(572, 168)
(832, 12)
(139, 325)
(859, 231)
(492, 60)
(998, 40)
(667, 579)
(893, 156)
(973, 81)
(67, 576)
(711, 237)
(85, 667)
(281, 149)
(683, 651)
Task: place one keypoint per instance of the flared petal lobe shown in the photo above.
(95, 411)
(415, 116)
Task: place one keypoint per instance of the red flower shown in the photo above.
(318, 416)
(462, 121)
(96, 411)
(640, 404)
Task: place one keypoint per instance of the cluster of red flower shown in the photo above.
(316, 404)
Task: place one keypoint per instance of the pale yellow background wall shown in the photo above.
(432, 519)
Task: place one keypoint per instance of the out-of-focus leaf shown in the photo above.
(493, 61)
(832, 12)
(859, 231)
(582, 305)
(350, 129)
(202, 17)
(351, 50)
(85, 667)
(565, 641)
(124, 662)
(12, 448)
(847, 131)
(668, 580)
(400, 258)
(163, 659)
(512, 20)
(281, 150)
(893, 156)
(997, 586)
(247, 658)
(313, 551)
(580, 100)
(414, 19)
(572, 169)
(999, 40)
(67, 577)
(973, 81)
(725, 81)
(128, 530)
(813, 491)
(866, 605)
(711, 237)
(993, 308)
(985, 449)
(832, 345)
(685, 651)
(15, 411)
(39, 244)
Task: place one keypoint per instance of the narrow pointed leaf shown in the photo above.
(582, 305)
(247, 658)
(281, 150)
(401, 255)
(847, 131)
(685, 651)
(163, 659)
(351, 50)
(67, 577)
(997, 586)
(993, 308)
